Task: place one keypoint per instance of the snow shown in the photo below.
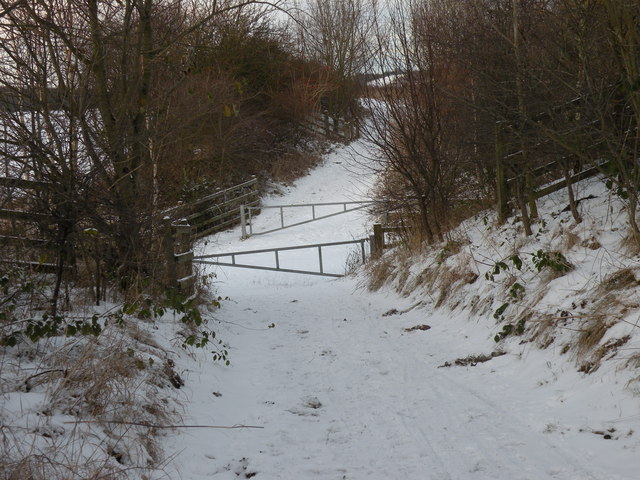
(386, 80)
(339, 389)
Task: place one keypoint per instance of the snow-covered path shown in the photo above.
(341, 390)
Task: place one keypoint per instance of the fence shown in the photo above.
(217, 211)
(333, 129)
(246, 214)
(19, 247)
(213, 259)
(181, 225)
(377, 244)
(379, 241)
(543, 182)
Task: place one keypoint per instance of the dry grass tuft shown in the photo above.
(591, 333)
(543, 331)
(447, 281)
(450, 248)
(570, 240)
(401, 282)
(609, 348)
(379, 272)
(629, 245)
(622, 279)
(34, 466)
(591, 243)
(446, 278)
(634, 362)
(416, 281)
(95, 394)
(606, 312)
(481, 306)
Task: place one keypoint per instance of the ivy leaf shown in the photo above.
(517, 261)
(500, 310)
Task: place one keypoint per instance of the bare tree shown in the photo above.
(414, 121)
(6, 7)
(336, 33)
(92, 82)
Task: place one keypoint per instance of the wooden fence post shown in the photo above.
(170, 260)
(255, 195)
(178, 256)
(243, 222)
(184, 258)
(348, 135)
(378, 239)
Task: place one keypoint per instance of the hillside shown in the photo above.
(570, 288)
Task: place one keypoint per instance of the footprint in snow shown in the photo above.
(309, 407)
(239, 467)
(311, 402)
(327, 352)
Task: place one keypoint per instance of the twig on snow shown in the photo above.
(153, 425)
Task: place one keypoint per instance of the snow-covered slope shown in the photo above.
(340, 385)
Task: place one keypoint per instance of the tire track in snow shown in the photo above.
(442, 421)
(457, 432)
(370, 396)
(544, 452)
(463, 424)
(416, 425)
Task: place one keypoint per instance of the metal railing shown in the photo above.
(209, 259)
(246, 215)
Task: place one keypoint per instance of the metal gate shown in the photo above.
(214, 259)
(246, 214)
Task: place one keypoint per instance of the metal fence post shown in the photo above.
(243, 222)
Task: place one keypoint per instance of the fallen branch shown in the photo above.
(27, 385)
(153, 425)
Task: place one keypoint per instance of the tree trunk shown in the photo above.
(522, 205)
(632, 208)
(501, 181)
(426, 225)
(526, 186)
(572, 199)
(437, 227)
(533, 207)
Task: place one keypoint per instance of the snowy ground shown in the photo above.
(341, 390)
